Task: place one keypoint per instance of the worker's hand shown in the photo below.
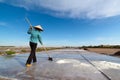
(30, 27)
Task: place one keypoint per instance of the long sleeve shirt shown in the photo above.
(35, 35)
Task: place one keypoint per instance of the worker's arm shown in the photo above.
(30, 30)
(39, 38)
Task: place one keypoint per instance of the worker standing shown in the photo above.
(34, 38)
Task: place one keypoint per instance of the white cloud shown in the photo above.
(91, 9)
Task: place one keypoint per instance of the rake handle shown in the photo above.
(45, 50)
(28, 21)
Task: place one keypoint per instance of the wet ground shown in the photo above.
(67, 64)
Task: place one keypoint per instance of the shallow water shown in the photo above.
(66, 65)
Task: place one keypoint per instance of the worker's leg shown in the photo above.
(33, 47)
(34, 55)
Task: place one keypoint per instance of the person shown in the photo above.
(34, 38)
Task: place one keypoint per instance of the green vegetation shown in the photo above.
(10, 52)
(1, 53)
(48, 48)
(23, 50)
(39, 49)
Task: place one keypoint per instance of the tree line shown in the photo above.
(101, 46)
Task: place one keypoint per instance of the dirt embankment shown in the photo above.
(13, 50)
(107, 51)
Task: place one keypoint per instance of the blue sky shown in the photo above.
(65, 22)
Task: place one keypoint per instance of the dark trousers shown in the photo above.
(32, 56)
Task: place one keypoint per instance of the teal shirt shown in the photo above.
(35, 35)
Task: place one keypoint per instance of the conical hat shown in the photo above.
(39, 27)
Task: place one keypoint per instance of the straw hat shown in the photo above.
(39, 27)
